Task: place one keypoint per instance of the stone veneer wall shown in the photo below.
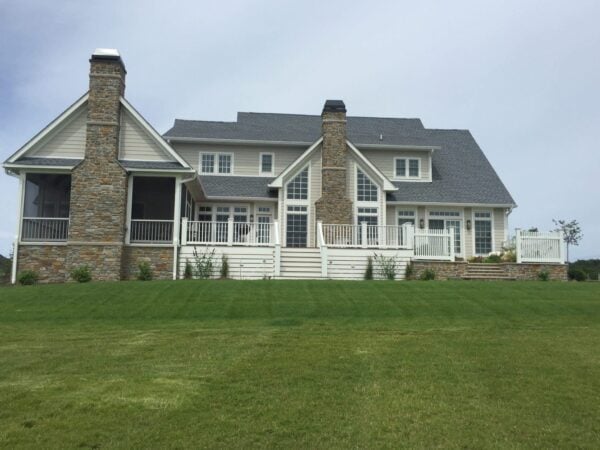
(334, 206)
(159, 258)
(49, 261)
(445, 270)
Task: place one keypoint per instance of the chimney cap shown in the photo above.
(334, 106)
(108, 54)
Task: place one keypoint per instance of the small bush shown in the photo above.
(509, 256)
(28, 277)
(543, 275)
(81, 274)
(576, 274)
(224, 267)
(386, 266)
(204, 263)
(369, 270)
(493, 259)
(428, 274)
(145, 271)
(410, 271)
(475, 259)
(188, 272)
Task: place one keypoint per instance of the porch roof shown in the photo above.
(220, 187)
(48, 162)
(153, 165)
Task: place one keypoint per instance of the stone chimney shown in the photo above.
(99, 183)
(334, 206)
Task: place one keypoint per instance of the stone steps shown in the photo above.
(483, 271)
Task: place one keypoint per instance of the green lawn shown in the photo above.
(300, 364)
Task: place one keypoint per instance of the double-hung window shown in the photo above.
(219, 163)
(266, 163)
(407, 167)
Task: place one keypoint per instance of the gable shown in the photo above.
(136, 144)
(66, 141)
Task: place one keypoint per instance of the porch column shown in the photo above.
(20, 205)
(129, 207)
(176, 223)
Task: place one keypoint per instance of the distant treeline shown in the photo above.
(5, 268)
(591, 267)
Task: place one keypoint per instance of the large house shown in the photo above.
(282, 195)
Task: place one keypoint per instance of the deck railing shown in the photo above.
(542, 247)
(151, 231)
(368, 236)
(45, 229)
(228, 233)
(434, 244)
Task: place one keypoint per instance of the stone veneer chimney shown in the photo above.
(334, 206)
(99, 183)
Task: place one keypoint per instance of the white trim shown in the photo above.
(129, 207)
(491, 220)
(450, 205)
(387, 184)
(49, 128)
(260, 171)
(261, 143)
(298, 202)
(237, 199)
(176, 224)
(407, 176)
(216, 155)
(419, 148)
(153, 133)
(363, 203)
(302, 159)
(29, 168)
(460, 218)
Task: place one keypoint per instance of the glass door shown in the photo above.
(296, 226)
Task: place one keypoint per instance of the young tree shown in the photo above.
(571, 232)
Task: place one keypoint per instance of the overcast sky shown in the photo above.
(523, 76)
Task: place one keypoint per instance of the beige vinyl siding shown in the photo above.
(246, 159)
(384, 161)
(498, 228)
(468, 240)
(136, 143)
(66, 142)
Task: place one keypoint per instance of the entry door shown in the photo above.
(296, 234)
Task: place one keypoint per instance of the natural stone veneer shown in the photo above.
(446, 270)
(49, 261)
(334, 206)
(159, 258)
(99, 183)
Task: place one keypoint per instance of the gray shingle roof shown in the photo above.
(153, 165)
(461, 174)
(231, 186)
(299, 128)
(54, 162)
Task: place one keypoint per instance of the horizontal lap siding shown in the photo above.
(67, 142)
(245, 158)
(137, 144)
(244, 262)
(351, 264)
(498, 218)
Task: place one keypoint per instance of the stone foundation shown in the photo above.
(104, 261)
(446, 270)
(49, 261)
(159, 258)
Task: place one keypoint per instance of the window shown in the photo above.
(366, 190)
(413, 165)
(444, 220)
(483, 233)
(297, 188)
(223, 162)
(297, 226)
(47, 195)
(406, 216)
(266, 163)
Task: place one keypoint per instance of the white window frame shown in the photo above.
(411, 209)
(297, 202)
(407, 175)
(363, 203)
(460, 217)
(491, 219)
(231, 207)
(216, 156)
(260, 169)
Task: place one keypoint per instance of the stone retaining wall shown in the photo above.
(49, 261)
(159, 258)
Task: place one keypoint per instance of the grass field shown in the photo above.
(300, 364)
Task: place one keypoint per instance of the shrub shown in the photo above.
(428, 274)
(386, 266)
(204, 263)
(543, 275)
(410, 271)
(224, 267)
(509, 256)
(188, 273)
(475, 259)
(493, 259)
(576, 274)
(28, 277)
(81, 274)
(369, 270)
(145, 271)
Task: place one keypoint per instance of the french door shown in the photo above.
(296, 234)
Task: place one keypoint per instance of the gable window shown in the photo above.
(366, 190)
(297, 188)
(266, 163)
(221, 163)
(407, 167)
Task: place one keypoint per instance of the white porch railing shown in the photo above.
(228, 233)
(434, 244)
(151, 231)
(368, 236)
(44, 229)
(533, 246)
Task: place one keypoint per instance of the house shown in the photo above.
(282, 195)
